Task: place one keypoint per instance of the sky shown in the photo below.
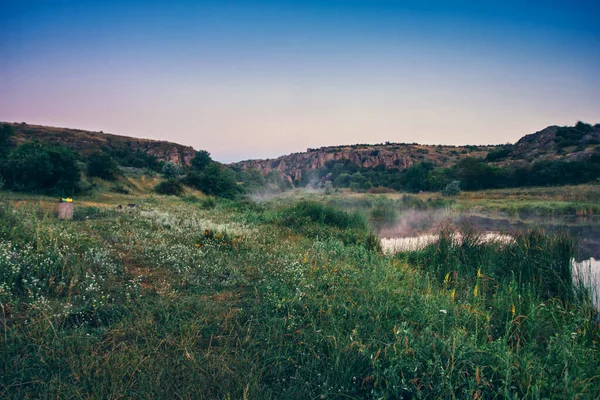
(259, 79)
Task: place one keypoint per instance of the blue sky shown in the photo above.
(249, 79)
